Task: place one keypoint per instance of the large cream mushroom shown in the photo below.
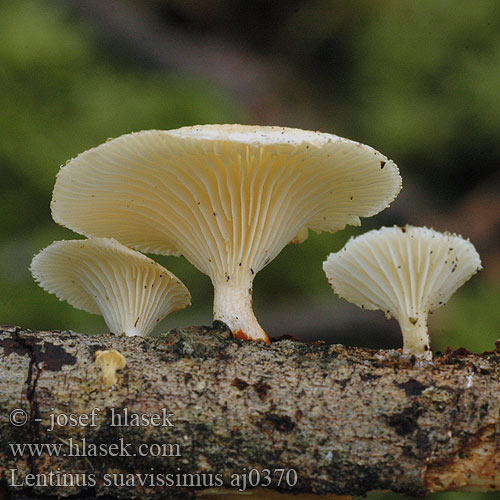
(227, 197)
(406, 272)
(102, 276)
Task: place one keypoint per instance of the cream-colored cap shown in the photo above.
(110, 361)
(405, 272)
(102, 276)
(227, 197)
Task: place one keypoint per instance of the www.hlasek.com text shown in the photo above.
(82, 448)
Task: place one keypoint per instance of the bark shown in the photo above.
(347, 420)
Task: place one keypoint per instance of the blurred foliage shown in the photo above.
(60, 96)
(471, 310)
(415, 79)
(426, 85)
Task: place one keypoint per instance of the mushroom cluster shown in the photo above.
(227, 197)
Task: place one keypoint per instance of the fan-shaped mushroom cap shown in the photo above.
(228, 197)
(110, 361)
(102, 276)
(405, 272)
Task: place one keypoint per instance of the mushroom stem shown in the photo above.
(416, 338)
(233, 306)
(132, 332)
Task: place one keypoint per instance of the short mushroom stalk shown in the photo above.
(233, 306)
(416, 337)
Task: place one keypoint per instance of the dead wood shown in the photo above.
(345, 420)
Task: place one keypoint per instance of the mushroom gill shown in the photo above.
(227, 197)
(100, 275)
(406, 272)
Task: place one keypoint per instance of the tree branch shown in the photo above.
(344, 420)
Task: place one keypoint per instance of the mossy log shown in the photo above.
(205, 409)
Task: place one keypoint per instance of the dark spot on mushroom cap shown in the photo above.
(382, 164)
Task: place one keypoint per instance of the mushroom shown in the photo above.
(406, 272)
(227, 197)
(102, 276)
(109, 361)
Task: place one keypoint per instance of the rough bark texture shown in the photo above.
(347, 420)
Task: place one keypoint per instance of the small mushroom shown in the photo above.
(109, 361)
(227, 197)
(102, 276)
(406, 272)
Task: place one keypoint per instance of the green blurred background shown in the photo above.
(416, 79)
